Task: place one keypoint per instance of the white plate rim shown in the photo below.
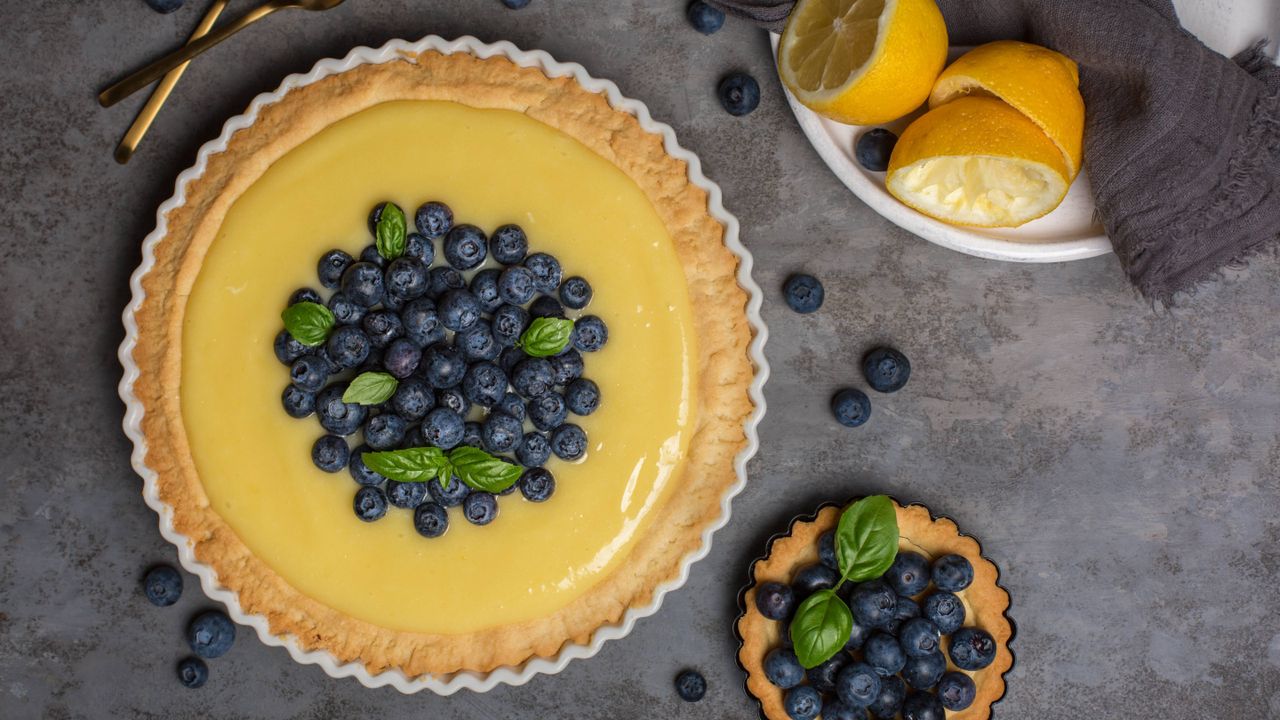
(509, 675)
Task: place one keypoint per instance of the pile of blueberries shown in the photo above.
(894, 661)
(453, 345)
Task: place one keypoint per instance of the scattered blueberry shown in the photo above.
(546, 272)
(803, 293)
(453, 399)
(375, 215)
(739, 94)
(537, 484)
(516, 285)
(480, 508)
(823, 677)
(566, 367)
(546, 306)
(956, 691)
(162, 585)
(783, 669)
(477, 343)
(362, 284)
(886, 369)
(406, 278)
(575, 292)
(371, 255)
(430, 519)
(509, 358)
(402, 358)
(858, 635)
(704, 18)
(348, 346)
(972, 648)
(421, 323)
(922, 706)
(952, 573)
(370, 503)
(458, 310)
(945, 610)
(873, 604)
(851, 407)
(775, 600)
(433, 219)
(582, 397)
(385, 431)
(465, 247)
(451, 496)
(883, 652)
(211, 634)
(166, 7)
(858, 684)
(382, 326)
(922, 672)
(909, 574)
(509, 323)
(513, 405)
(919, 637)
(569, 442)
(837, 709)
(336, 416)
(442, 428)
(515, 4)
(471, 434)
(827, 550)
(288, 349)
(508, 245)
(532, 377)
(192, 672)
(420, 247)
(873, 149)
(443, 279)
(308, 373)
(361, 472)
(408, 495)
(443, 366)
(802, 703)
(344, 311)
(330, 453)
(548, 411)
(590, 333)
(485, 384)
(889, 700)
(305, 294)
(812, 579)
(501, 433)
(690, 685)
(298, 403)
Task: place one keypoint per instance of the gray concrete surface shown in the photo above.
(1119, 463)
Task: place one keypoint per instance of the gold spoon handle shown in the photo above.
(129, 143)
(155, 70)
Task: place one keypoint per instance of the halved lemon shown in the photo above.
(977, 161)
(1042, 84)
(862, 61)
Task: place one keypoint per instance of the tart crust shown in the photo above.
(985, 601)
(720, 323)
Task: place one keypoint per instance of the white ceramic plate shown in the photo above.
(442, 684)
(1071, 232)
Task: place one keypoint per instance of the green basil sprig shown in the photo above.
(371, 388)
(546, 336)
(475, 467)
(866, 542)
(391, 231)
(482, 471)
(309, 323)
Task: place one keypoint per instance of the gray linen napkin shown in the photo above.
(1182, 145)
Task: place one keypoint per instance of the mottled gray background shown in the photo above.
(1119, 463)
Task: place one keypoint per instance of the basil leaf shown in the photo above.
(371, 388)
(409, 465)
(482, 471)
(391, 232)
(546, 336)
(821, 628)
(867, 538)
(309, 323)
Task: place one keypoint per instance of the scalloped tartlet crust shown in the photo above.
(719, 310)
(985, 601)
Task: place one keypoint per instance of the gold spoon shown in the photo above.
(155, 70)
(125, 149)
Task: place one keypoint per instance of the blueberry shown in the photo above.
(464, 247)
(458, 310)
(485, 384)
(874, 148)
(471, 434)
(922, 672)
(590, 333)
(344, 311)
(453, 399)
(515, 4)
(532, 377)
(305, 294)
(823, 677)
(704, 18)
(361, 472)
(537, 484)
(420, 248)
(546, 306)
(972, 648)
(690, 685)
(451, 496)
(211, 634)
(802, 703)
(775, 600)
(851, 407)
(336, 416)
(883, 652)
(906, 610)
(548, 411)
(433, 219)
(406, 278)
(886, 369)
(516, 285)
(443, 366)
(480, 508)
(484, 285)
(945, 610)
(739, 94)
(956, 691)
(362, 284)
(477, 343)
(919, 637)
(510, 358)
(430, 519)
(421, 323)
(803, 293)
(371, 255)
(582, 397)
(812, 579)
(192, 672)
(162, 585)
(348, 346)
(566, 367)
(952, 573)
(408, 495)
(298, 403)
(508, 244)
(166, 7)
(501, 433)
(513, 405)
(922, 706)
(782, 668)
(330, 453)
(546, 272)
(442, 428)
(575, 292)
(443, 279)
(534, 450)
(288, 349)
(382, 326)
(402, 358)
(858, 635)
(873, 604)
(909, 574)
(375, 215)
(385, 431)
(569, 442)
(370, 503)
(509, 323)
(858, 684)
(837, 709)
(827, 550)
(889, 700)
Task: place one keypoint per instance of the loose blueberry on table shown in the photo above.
(848, 647)
(873, 149)
(739, 94)
(690, 685)
(162, 585)
(461, 378)
(704, 18)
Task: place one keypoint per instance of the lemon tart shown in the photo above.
(501, 143)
